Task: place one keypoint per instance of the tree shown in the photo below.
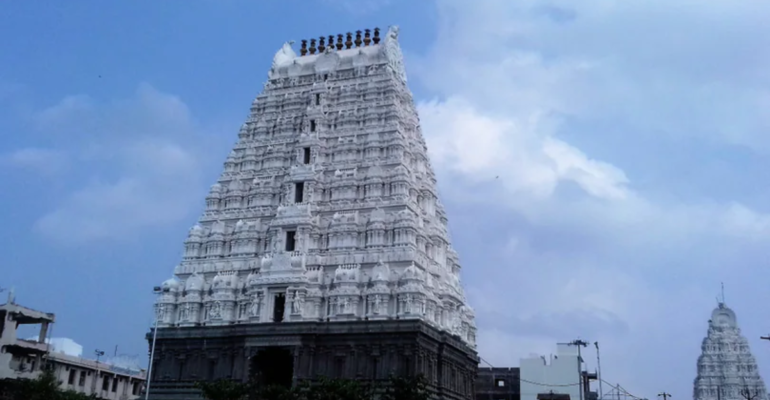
(223, 389)
(406, 388)
(337, 389)
(397, 388)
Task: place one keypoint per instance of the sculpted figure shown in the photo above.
(408, 303)
(216, 310)
(297, 304)
(348, 305)
(254, 309)
(184, 312)
(161, 316)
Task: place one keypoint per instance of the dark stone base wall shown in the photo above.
(356, 350)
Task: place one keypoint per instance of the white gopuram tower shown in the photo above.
(325, 220)
(726, 369)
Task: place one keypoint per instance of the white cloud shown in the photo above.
(142, 160)
(40, 160)
(544, 117)
(532, 161)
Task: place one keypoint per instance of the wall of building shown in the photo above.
(558, 373)
(497, 384)
(88, 376)
(21, 358)
(363, 350)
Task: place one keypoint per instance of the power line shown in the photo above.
(528, 381)
(617, 387)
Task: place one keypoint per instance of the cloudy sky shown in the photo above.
(604, 163)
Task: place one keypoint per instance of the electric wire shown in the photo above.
(535, 383)
(615, 386)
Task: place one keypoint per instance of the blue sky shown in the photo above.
(603, 163)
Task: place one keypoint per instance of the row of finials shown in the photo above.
(366, 41)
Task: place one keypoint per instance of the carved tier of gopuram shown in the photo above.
(323, 249)
(726, 368)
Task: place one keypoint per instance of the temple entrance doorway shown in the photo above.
(273, 366)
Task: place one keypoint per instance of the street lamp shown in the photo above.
(98, 354)
(157, 290)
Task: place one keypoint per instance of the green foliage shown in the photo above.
(223, 390)
(276, 392)
(397, 388)
(337, 389)
(407, 388)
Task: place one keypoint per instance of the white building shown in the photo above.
(560, 374)
(26, 358)
(105, 379)
(20, 358)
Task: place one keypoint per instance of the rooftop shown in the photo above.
(25, 315)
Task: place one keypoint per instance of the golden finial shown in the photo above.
(321, 44)
(339, 42)
(303, 49)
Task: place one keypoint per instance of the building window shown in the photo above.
(106, 383)
(71, 379)
(500, 382)
(312, 125)
(306, 155)
(291, 240)
(318, 99)
(278, 306)
(299, 192)
(115, 384)
(135, 388)
(82, 380)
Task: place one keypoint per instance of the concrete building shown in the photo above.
(726, 368)
(20, 358)
(323, 248)
(104, 379)
(559, 374)
(498, 384)
(26, 359)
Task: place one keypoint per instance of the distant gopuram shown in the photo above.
(726, 368)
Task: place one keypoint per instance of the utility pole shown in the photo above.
(599, 370)
(665, 395)
(98, 354)
(157, 290)
(579, 343)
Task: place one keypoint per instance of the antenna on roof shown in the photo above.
(723, 293)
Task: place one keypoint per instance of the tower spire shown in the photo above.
(723, 293)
